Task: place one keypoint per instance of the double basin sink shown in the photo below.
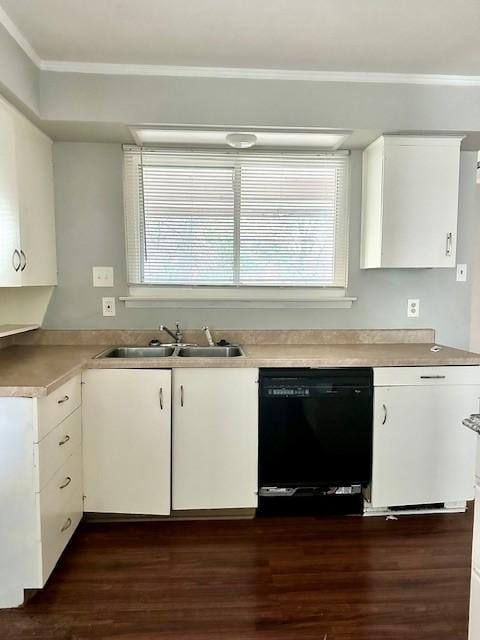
(165, 351)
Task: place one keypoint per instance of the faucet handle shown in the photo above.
(178, 333)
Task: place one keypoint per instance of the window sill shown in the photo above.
(207, 302)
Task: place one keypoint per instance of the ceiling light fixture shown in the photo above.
(241, 140)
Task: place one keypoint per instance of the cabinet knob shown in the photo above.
(64, 441)
(181, 395)
(385, 413)
(22, 268)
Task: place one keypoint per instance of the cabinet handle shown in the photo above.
(15, 265)
(65, 483)
(448, 248)
(64, 441)
(62, 400)
(181, 395)
(22, 268)
(160, 397)
(385, 413)
(432, 377)
(67, 525)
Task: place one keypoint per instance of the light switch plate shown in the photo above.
(461, 272)
(413, 308)
(102, 276)
(108, 307)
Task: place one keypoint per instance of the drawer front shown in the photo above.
(476, 531)
(393, 376)
(60, 509)
(52, 452)
(55, 407)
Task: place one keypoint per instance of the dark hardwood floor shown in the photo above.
(344, 578)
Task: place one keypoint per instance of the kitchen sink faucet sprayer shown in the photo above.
(208, 336)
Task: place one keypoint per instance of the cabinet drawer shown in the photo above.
(60, 507)
(427, 376)
(55, 407)
(57, 447)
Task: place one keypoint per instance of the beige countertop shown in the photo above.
(34, 371)
(30, 371)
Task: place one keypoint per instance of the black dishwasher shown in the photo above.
(315, 439)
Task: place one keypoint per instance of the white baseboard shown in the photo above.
(448, 507)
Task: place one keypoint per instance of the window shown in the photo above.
(236, 219)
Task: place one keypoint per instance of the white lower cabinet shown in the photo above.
(41, 496)
(127, 441)
(215, 438)
(474, 622)
(421, 452)
(476, 532)
(60, 509)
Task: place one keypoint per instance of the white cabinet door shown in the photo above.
(410, 202)
(36, 204)
(421, 452)
(474, 623)
(127, 441)
(420, 205)
(476, 532)
(215, 438)
(10, 257)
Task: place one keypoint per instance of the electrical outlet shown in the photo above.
(413, 308)
(108, 306)
(102, 276)
(461, 272)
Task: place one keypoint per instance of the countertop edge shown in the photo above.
(89, 361)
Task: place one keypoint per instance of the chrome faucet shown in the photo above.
(208, 336)
(177, 336)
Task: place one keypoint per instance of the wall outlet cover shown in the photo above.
(108, 307)
(461, 272)
(102, 276)
(413, 308)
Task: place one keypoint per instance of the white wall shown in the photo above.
(227, 101)
(90, 232)
(19, 77)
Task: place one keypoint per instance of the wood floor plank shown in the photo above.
(264, 579)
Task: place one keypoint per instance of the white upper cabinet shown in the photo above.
(410, 202)
(10, 257)
(36, 204)
(27, 215)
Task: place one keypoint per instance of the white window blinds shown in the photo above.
(235, 218)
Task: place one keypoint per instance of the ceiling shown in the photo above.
(383, 36)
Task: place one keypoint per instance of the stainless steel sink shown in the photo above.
(137, 352)
(210, 352)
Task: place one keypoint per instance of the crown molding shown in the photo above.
(19, 38)
(98, 68)
(114, 69)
